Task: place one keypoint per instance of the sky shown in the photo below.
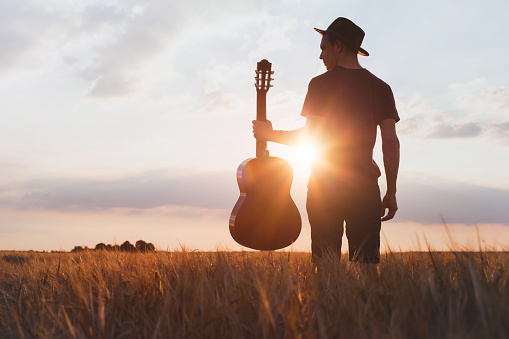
(126, 120)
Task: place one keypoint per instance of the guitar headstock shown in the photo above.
(263, 79)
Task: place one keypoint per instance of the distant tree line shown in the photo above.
(140, 246)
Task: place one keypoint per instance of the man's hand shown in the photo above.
(262, 130)
(389, 202)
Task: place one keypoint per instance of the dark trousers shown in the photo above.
(358, 209)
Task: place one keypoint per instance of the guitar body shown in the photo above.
(265, 216)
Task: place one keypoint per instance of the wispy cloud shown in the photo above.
(499, 97)
(419, 202)
(445, 131)
(500, 131)
(274, 36)
(116, 68)
(465, 110)
(207, 190)
(24, 28)
(114, 42)
(460, 203)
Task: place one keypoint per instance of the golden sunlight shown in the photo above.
(307, 154)
(302, 158)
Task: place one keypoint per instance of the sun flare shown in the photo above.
(303, 158)
(307, 154)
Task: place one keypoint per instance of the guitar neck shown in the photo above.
(263, 79)
(261, 115)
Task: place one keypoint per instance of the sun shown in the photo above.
(302, 158)
(307, 154)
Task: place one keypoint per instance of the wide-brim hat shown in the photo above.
(346, 31)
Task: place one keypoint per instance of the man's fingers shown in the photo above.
(390, 205)
(390, 214)
(260, 122)
(262, 129)
(255, 128)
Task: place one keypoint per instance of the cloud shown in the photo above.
(419, 202)
(500, 131)
(113, 85)
(114, 42)
(446, 131)
(96, 17)
(215, 190)
(24, 28)
(117, 67)
(409, 126)
(499, 97)
(465, 110)
(139, 36)
(274, 36)
(480, 100)
(32, 32)
(457, 203)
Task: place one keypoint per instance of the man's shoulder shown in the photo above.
(341, 72)
(319, 78)
(317, 82)
(323, 80)
(375, 78)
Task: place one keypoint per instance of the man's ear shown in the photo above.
(338, 45)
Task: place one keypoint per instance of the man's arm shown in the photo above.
(390, 150)
(262, 130)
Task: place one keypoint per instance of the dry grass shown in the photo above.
(251, 295)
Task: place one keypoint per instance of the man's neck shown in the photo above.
(349, 61)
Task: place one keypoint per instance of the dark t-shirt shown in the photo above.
(352, 103)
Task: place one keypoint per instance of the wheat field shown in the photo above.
(225, 294)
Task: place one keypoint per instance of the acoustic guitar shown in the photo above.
(265, 216)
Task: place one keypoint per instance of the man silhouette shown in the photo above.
(343, 109)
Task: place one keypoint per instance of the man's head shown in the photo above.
(348, 47)
(334, 51)
(349, 35)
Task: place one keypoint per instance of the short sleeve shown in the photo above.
(313, 103)
(387, 106)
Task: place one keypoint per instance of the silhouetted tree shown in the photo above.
(151, 247)
(109, 247)
(127, 247)
(77, 249)
(115, 247)
(141, 246)
(100, 247)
